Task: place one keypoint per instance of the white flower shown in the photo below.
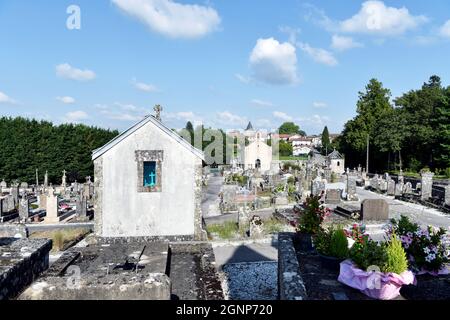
(426, 250)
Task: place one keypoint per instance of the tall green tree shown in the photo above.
(326, 143)
(421, 108)
(28, 145)
(373, 104)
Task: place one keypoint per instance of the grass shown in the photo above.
(61, 238)
(291, 158)
(417, 175)
(273, 225)
(230, 230)
(226, 231)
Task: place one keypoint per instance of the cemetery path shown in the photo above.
(249, 271)
(210, 201)
(421, 214)
(248, 252)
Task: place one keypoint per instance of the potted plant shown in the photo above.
(377, 270)
(310, 220)
(332, 247)
(425, 247)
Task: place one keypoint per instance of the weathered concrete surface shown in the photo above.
(290, 282)
(21, 262)
(13, 231)
(134, 271)
(375, 210)
(193, 272)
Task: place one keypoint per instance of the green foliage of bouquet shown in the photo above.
(396, 257)
(388, 257)
(339, 244)
(425, 248)
(368, 253)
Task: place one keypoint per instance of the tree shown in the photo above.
(326, 143)
(442, 124)
(421, 109)
(373, 104)
(414, 134)
(290, 128)
(392, 130)
(28, 145)
(189, 126)
(285, 148)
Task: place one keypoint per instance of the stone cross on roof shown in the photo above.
(158, 109)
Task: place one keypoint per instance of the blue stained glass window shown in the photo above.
(150, 174)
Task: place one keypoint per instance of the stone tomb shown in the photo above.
(317, 186)
(333, 196)
(130, 269)
(375, 210)
(21, 262)
(134, 271)
(391, 187)
(351, 188)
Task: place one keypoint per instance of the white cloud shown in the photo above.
(264, 123)
(262, 103)
(318, 104)
(445, 30)
(144, 86)
(122, 111)
(242, 78)
(68, 72)
(319, 55)
(172, 19)
(274, 62)
(229, 119)
(76, 116)
(341, 43)
(6, 99)
(282, 116)
(183, 116)
(66, 100)
(315, 121)
(124, 117)
(377, 18)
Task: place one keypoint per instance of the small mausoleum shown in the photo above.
(148, 183)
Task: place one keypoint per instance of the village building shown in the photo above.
(257, 154)
(336, 162)
(301, 146)
(148, 183)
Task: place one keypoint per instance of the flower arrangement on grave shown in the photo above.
(378, 270)
(310, 220)
(357, 232)
(311, 217)
(425, 247)
(332, 246)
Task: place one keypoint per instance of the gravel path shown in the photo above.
(250, 281)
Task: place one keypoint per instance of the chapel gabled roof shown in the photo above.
(335, 155)
(148, 119)
(249, 127)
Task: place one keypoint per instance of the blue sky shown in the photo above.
(218, 62)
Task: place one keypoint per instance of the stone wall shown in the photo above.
(22, 262)
(290, 282)
(13, 231)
